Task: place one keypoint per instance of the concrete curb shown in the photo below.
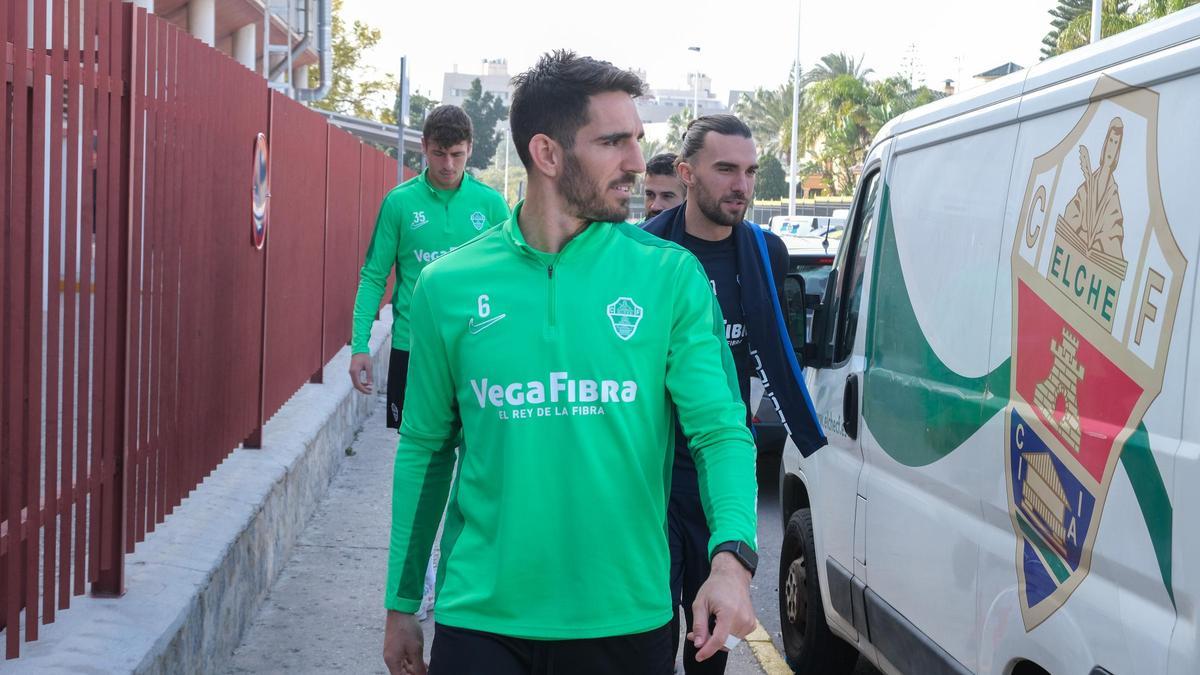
(194, 585)
(769, 658)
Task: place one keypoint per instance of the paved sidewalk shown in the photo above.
(325, 612)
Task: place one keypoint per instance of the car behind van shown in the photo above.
(1005, 361)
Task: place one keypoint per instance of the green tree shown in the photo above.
(892, 97)
(654, 147)
(676, 126)
(834, 65)
(1063, 13)
(768, 113)
(836, 127)
(357, 89)
(1116, 18)
(844, 113)
(771, 182)
(485, 111)
(419, 106)
(1157, 9)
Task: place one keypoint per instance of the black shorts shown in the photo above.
(397, 376)
(459, 651)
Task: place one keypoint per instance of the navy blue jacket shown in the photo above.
(770, 346)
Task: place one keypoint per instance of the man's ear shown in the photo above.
(684, 171)
(546, 154)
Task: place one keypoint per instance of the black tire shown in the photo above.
(810, 647)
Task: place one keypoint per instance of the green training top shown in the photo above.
(560, 371)
(417, 224)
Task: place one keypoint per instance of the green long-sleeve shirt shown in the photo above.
(417, 224)
(560, 371)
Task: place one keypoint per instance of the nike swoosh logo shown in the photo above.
(477, 328)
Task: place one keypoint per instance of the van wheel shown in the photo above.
(808, 643)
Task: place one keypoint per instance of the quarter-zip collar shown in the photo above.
(437, 192)
(591, 236)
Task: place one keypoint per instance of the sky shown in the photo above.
(743, 43)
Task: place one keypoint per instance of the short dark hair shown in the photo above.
(552, 97)
(723, 123)
(662, 164)
(447, 125)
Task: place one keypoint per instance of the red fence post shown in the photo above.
(33, 389)
(56, 544)
(13, 354)
(110, 580)
(7, 531)
(73, 310)
(319, 376)
(108, 209)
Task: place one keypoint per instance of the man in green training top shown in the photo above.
(557, 344)
(419, 221)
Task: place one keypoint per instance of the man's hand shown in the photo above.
(403, 645)
(725, 595)
(360, 372)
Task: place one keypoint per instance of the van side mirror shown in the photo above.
(797, 314)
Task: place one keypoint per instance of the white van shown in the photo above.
(1006, 361)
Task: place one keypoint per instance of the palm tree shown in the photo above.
(1157, 9)
(834, 126)
(654, 147)
(1116, 17)
(893, 97)
(676, 127)
(833, 65)
(1064, 13)
(844, 114)
(768, 113)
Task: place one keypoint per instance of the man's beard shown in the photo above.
(710, 206)
(587, 201)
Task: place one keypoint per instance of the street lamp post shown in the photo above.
(507, 141)
(402, 118)
(696, 85)
(1097, 15)
(794, 163)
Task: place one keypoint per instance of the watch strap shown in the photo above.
(740, 550)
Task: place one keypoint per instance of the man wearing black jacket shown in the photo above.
(746, 268)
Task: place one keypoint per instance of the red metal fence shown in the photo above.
(144, 336)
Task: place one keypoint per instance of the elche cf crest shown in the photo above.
(1097, 276)
(478, 220)
(625, 314)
